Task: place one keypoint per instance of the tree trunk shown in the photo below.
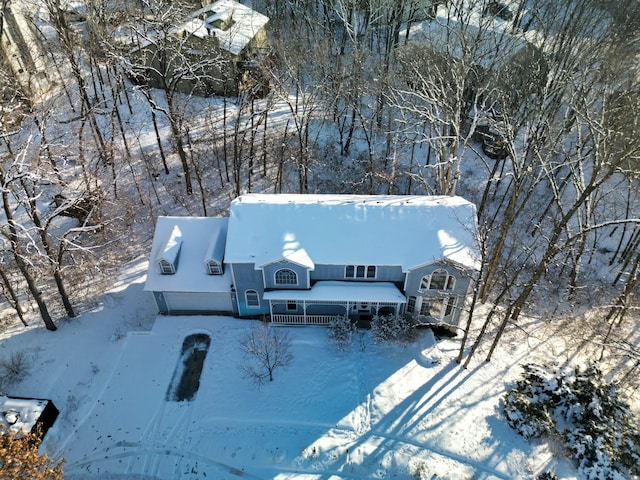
(12, 236)
(12, 297)
(44, 239)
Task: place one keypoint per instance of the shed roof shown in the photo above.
(406, 231)
(198, 234)
(21, 414)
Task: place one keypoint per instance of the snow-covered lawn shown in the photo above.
(374, 411)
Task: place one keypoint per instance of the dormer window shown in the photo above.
(214, 268)
(166, 267)
(170, 253)
(214, 255)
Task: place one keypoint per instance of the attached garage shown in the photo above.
(186, 271)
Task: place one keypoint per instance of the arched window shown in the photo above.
(252, 299)
(284, 276)
(438, 280)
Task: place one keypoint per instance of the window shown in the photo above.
(360, 271)
(214, 268)
(292, 306)
(438, 280)
(450, 303)
(252, 299)
(411, 304)
(284, 276)
(431, 307)
(166, 268)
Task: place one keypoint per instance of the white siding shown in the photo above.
(198, 302)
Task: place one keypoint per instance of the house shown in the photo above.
(27, 415)
(220, 42)
(305, 259)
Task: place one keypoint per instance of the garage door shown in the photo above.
(188, 302)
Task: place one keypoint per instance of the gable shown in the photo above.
(353, 229)
(168, 256)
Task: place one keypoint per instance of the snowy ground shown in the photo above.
(375, 411)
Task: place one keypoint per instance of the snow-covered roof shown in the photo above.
(481, 42)
(20, 414)
(215, 251)
(342, 291)
(233, 24)
(171, 249)
(197, 236)
(407, 231)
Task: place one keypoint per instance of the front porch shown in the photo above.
(326, 300)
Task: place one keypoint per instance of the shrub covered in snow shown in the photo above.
(392, 328)
(14, 367)
(547, 476)
(584, 411)
(342, 331)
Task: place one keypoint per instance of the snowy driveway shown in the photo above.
(377, 411)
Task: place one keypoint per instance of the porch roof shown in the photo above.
(326, 291)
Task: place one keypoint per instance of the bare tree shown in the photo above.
(19, 242)
(167, 58)
(267, 349)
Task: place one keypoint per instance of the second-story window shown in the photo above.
(284, 276)
(360, 271)
(439, 280)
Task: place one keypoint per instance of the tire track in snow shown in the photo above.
(362, 414)
(81, 467)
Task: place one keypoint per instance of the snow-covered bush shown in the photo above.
(392, 328)
(420, 471)
(14, 367)
(584, 411)
(342, 331)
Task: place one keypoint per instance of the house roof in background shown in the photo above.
(408, 231)
(243, 24)
(197, 235)
(479, 41)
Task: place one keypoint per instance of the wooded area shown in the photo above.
(529, 109)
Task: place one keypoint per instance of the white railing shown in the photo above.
(283, 319)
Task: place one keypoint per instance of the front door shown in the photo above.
(362, 313)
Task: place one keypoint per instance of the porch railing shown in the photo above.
(285, 319)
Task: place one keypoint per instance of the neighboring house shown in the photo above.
(305, 259)
(223, 40)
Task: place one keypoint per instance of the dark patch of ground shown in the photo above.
(186, 377)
